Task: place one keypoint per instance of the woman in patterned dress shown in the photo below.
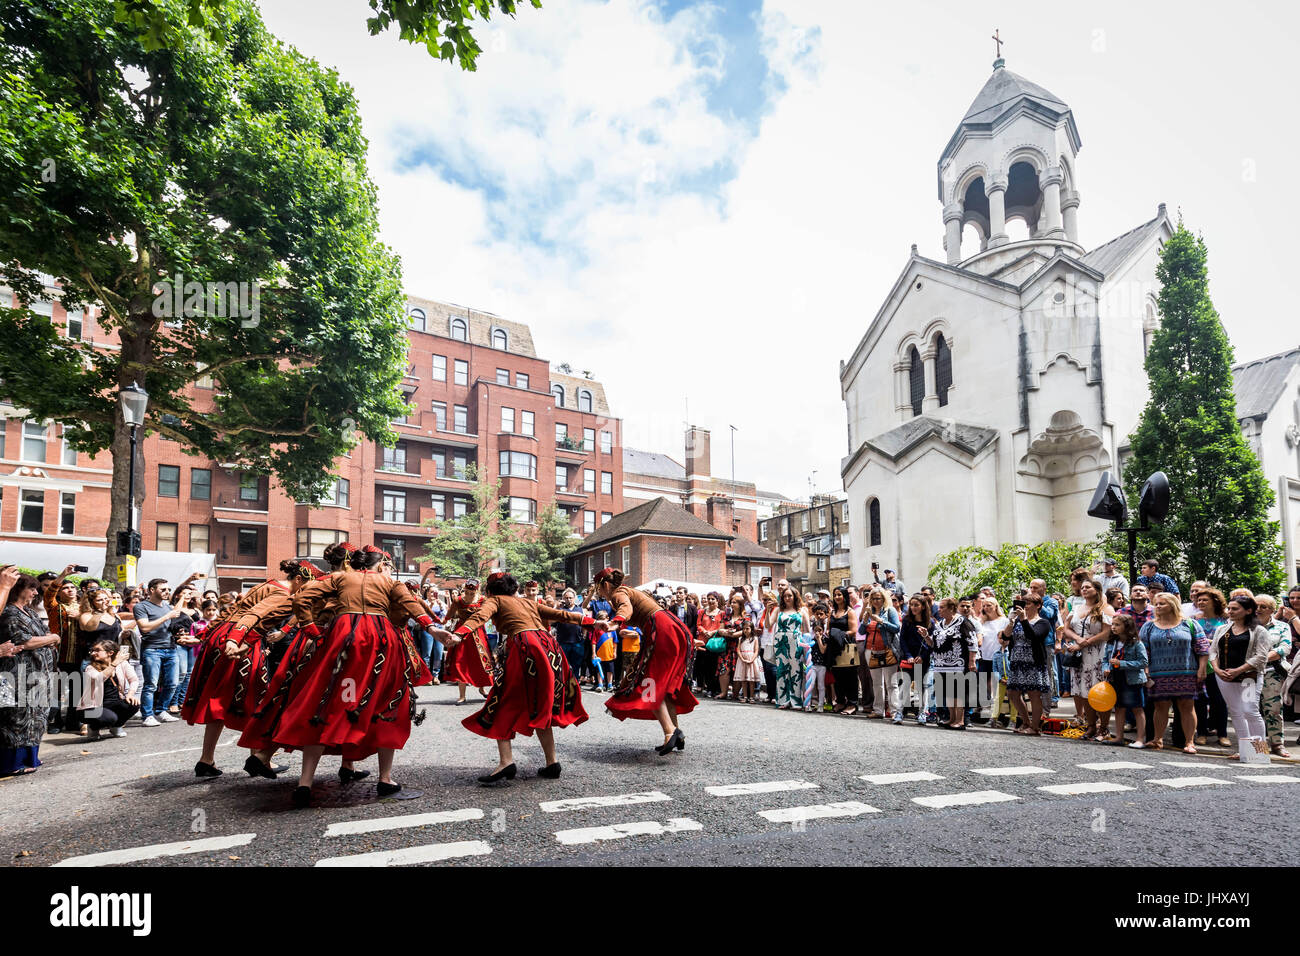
(1029, 660)
(1086, 631)
(1179, 651)
(791, 624)
(737, 615)
(29, 659)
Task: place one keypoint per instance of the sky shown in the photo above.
(705, 204)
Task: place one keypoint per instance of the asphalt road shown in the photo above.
(753, 786)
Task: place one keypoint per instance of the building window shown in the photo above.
(500, 340)
(459, 330)
(785, 527)
(460, 421)
(821, 517)
(561, 478)
(67, 512)
(400, 418)
(916, 380)
(312, 542)
(608, 558)
(459, 465)
(606, 443)
(804, 523)
(523, 510)
(873, 521)
(589, 523)
(247, 542)
(169, 481)
(199, 539)
(34, 438)
(74, 326)
(518, 464)
(584, 400)
(201, 484)
(394, 506)
(521, 380)
(507, 419)
(459, 507)
(844, 513)
(68, 453)
(527, 423)
(165, 540)
(394, 459)
(338, 495)
(605, 517)
(762, 531)
(461, 372)
(205, 380)
(440, 416)
(439, 506)
(589, 439)
(31, 511)
(588, 480)
(561, 433)
(627, 560)
(558, 392)
(503, 376)
(250, 487)
(397, 548)
(606, 482)
(417, 320)
(591, 567)
(821, 564)
(942, 369)
(440, 368)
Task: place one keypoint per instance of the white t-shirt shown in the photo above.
(989, 645)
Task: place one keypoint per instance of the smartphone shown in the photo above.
(80, 569)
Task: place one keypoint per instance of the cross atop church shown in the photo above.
(996, 39)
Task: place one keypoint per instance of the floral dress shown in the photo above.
(1093, 669)
(727, 656)
(1173, 653)
(24, 711)
(1024, 673)
(788, 653)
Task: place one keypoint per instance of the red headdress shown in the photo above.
(605, 574)
(371, 549)
(347, 546)
(496, 576)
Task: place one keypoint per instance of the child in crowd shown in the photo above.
(1128, 675)
(749, 669)
(629, 646)
(605, 647)
(821, 611)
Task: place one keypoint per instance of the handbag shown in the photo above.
(886, 659)
(716, 645)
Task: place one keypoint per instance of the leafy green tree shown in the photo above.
(211, 198)
(479, 540)
(545, 547)
(1218, 527)
(1009, 568)
(441, 25)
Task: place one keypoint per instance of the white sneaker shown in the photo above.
(150, 721)
(920, 718)
(116, 732)
(898, 720)
(1137, 745)
(167, 718)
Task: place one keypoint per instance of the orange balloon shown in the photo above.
(1101, 697)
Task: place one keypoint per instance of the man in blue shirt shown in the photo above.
(1151, 575)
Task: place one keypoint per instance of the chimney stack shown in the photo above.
(697, 452)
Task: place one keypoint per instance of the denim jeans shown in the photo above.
(159, 679)
(430, 649)
(184, 664)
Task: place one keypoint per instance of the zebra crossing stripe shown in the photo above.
(398, 823)
(430, 853)
(1177, 782)
(771, 786)
(1270, 778)
(587, 803)
(618, 831)
(849, 808)
(1114, 765)
(1011, 771)
(914, 776)
(137, 853)
(942, 800)
(1091, 786)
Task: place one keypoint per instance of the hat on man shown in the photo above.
(1109, 562)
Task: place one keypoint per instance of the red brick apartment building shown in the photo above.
(479, 395)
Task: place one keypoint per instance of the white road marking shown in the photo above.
(771, 786)
(620, 830)
(1214, 765)
(1091, 786)
(1270, 778)
(432, 853)
(401, 822)
(910, 777)
(1187, 781)
(1011, 771)
(1115, 765)
(187, 750)
(136, 853)
(586, 803)
(942, 800)
(849, 808)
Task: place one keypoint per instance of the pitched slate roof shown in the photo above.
(1111, 255)
(744, 548)
(572, 383)
(1001, 90)
(1259, 384)
(438, 316)
(657, 516)
(898, 441)
(637, 462)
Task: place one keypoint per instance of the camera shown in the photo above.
(875, 566)
(1018, 602)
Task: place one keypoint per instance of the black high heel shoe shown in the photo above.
(255, 768)
(676, 741)
(387, 789)
(302, 797)
(508, 772)
(550, 771)
(202, 769)
(347, 775)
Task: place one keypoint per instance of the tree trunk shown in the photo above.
(134, 360)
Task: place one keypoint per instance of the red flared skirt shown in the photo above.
(469, 662)
(222, 689)
(658, 672)
(353, 694)
(533, 690)
(260, 727)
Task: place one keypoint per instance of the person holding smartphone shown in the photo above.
(1029, 637)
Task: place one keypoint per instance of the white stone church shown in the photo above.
(991, 391)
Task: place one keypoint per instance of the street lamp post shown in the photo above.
(135, 401)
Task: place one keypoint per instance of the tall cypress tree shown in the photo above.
(1218, 527)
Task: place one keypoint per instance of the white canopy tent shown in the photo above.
(692, 587)
(175, 566)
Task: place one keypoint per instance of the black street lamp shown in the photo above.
(135, 401)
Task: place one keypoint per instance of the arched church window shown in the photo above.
(873, 522)
(916, 380)
(942, 368)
